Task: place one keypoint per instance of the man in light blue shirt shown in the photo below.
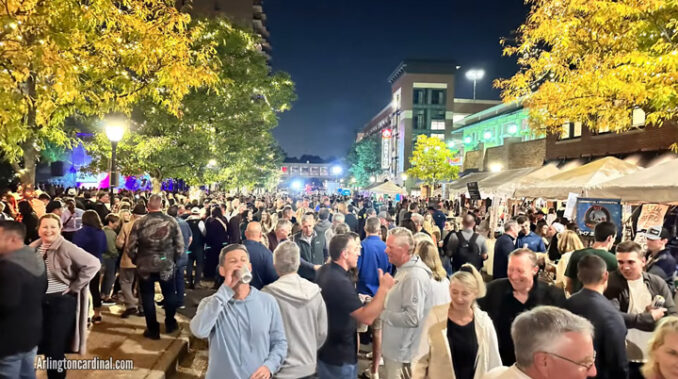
(244, 326)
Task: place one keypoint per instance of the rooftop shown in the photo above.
(422, 66)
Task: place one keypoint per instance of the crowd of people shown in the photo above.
(303, 282)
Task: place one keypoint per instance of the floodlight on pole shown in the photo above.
(475, 75)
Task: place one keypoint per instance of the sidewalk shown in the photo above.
(122, 339)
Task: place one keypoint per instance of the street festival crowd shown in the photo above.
(304, 282)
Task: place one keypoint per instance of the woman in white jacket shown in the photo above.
(459, 340)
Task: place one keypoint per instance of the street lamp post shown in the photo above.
(114, 131)
(475, 75)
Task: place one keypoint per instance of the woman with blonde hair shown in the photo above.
(459, 340)
(568, 242)
(662, 362)
(440, 286)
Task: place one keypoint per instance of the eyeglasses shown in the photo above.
(586, 365)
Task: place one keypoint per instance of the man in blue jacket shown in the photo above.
(502, 249)
(263, 271)
(659, 259)
(527, 238)
(244, 326)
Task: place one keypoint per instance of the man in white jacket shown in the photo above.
(407, 305)
(303, 312)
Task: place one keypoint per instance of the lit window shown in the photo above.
(576, 129)
(638, 117)
(438, 125)
(512, 129)
(565, 131)
(439, 136)
(467, 140)
(487, 135)
(603, 129)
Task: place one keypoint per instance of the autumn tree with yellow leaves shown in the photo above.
(595, 61)
(61, 58)
(432, 161)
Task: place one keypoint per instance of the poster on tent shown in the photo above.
(651, 215)
(592, 211)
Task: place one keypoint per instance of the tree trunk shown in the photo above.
(26, 173)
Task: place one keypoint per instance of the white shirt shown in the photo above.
(440, 292)
(636, 340)
(512, 372)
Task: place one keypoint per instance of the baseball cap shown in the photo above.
(558, 227)
(71, 192)
(657, 233)
(195, 211)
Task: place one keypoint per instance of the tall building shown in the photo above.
(422, 102)
(248, 14)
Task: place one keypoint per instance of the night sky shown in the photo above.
(340, 53)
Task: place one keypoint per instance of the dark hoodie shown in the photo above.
(304, 316)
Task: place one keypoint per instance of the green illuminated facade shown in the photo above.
(492, 125)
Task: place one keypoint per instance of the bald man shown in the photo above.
(263, 272)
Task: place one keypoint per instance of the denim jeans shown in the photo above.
(20, 366)
(198, 256)
(147, 289)
(179, 283)
(345, 371)
(109, 268)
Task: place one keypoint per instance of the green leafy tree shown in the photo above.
(60, 58)
(364, 160)
(594, 61)
(432, 161)
(224, 132)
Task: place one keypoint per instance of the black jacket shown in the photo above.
(234, 232)
(618, 292)
(352, 221)
(610, 332)
(311, 255)
(502, 248)
(503, 308)
(23, 282)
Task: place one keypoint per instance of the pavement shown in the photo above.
(176, 356)
(179, 355)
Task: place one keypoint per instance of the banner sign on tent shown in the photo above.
(570, 206)
(651, 215)
(592, 211)
(473, 191)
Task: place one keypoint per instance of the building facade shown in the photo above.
(248, 14)
(422, 102)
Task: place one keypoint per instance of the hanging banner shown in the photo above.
(570, 206)
(651, 215)
(592, 211)
(386, 135)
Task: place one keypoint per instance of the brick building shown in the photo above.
(247, 14)
(422, 102)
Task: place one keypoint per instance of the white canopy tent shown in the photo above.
(578, 180)
(658, 184)
(386, 188)
(533, 176)
(458, 187)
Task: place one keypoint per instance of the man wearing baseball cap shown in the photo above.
(659, 259)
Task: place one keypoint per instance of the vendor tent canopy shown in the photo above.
(387, 188)
(504, 183)
(578, 180)
(532, 177)
(658, 184)
(458, 187)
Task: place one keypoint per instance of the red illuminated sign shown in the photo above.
(386, 133)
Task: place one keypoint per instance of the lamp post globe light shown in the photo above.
(115, 130)
(475, 75)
